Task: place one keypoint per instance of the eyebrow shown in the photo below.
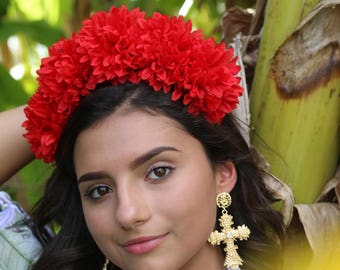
(149, 155)
(92, 176)
(134, 164)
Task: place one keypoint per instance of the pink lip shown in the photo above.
(144, 244)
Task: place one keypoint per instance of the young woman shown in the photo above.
(135, 114)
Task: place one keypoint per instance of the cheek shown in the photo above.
(198, 209)
(193, 208)
(100, 222)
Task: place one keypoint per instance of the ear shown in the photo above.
(225, 176)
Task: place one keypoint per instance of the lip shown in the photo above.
(145, 244)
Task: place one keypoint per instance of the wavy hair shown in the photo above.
(73, 247)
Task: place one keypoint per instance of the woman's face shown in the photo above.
(148, 192)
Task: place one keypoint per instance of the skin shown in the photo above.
(168, 194)
(12, 159)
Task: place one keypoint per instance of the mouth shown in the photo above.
(144, 244)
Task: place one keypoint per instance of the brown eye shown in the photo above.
(159, 172)
(102, 190)
(98, 192)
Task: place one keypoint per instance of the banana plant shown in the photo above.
(295, 104)
(295, 115)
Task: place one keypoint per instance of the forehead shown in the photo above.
(123, 124)
(125, 135)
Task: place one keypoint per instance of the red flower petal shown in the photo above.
(120, 46)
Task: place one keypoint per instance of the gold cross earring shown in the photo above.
(228, 234)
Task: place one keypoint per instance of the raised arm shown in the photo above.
(14, 149)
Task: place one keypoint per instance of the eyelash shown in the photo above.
(156, 166)
(91, 190)
(167, 167)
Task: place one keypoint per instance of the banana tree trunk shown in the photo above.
(295, 96)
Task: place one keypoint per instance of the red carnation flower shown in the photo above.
(120, 46)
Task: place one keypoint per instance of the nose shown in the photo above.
(132, 207)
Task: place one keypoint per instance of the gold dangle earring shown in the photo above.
(106, 264)
(228, 234)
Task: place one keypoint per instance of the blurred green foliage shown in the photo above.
(27, 28)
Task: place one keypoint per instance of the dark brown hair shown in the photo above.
(73, 246)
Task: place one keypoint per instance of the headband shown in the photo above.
(122, 46)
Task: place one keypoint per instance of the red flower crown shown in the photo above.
(120, 46)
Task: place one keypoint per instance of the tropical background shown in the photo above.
(290, 51)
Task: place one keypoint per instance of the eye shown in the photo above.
(97, 192)
(159, 171)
